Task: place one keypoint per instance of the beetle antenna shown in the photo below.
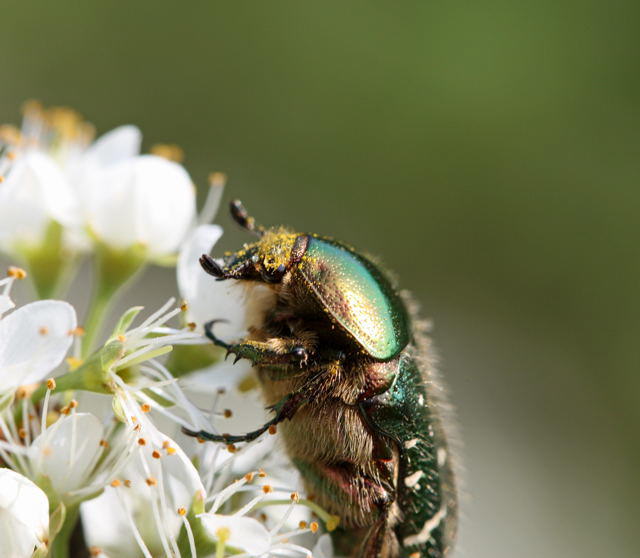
(242, 217)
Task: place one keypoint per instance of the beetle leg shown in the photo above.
(281, 351)
(284, 409)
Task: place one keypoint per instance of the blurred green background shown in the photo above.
(486, 151)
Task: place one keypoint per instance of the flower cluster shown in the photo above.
(90, 424)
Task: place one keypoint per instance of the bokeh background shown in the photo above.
(487, 152)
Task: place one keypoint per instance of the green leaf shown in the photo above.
(125, 321)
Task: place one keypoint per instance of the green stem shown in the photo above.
(98, 310)
(60, 545)
(113, 269)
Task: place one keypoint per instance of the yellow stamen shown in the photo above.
(16, 272)
(151, 481)
(313, 526)
(115, 483)
(51, 384)
(74, 363)
(182, 511)
(169, 151)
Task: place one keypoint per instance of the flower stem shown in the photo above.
(60, 544)
(113, 269)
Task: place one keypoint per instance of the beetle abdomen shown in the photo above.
(407, 414)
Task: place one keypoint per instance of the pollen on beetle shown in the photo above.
(16, 272)
(182, 511)
(313, 526)
(141, 441)
(145, 408)
(43, 330)
(51, 384)
(115, 483)
(267, 489)
(155, 454)
(273, 429)
(151, 481)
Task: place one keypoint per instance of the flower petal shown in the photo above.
(33, 341)
(244, 532)
(67, 451)
(34, 193)
(144, 200)
(323, 548)
(199, 242)
(115, 146)
(24, 515)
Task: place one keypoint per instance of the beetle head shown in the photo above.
(267, 260)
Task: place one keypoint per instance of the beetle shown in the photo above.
(347, 371)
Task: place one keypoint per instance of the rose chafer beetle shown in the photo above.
(345, 367)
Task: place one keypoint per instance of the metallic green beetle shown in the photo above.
(346, 369)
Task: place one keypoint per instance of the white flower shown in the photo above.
(77, 456)
(145, 503)
(208, 299)
(143, 200)
(34, 339)
(52, 173)
(244, 533)
(34, 194)
(24, 515)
